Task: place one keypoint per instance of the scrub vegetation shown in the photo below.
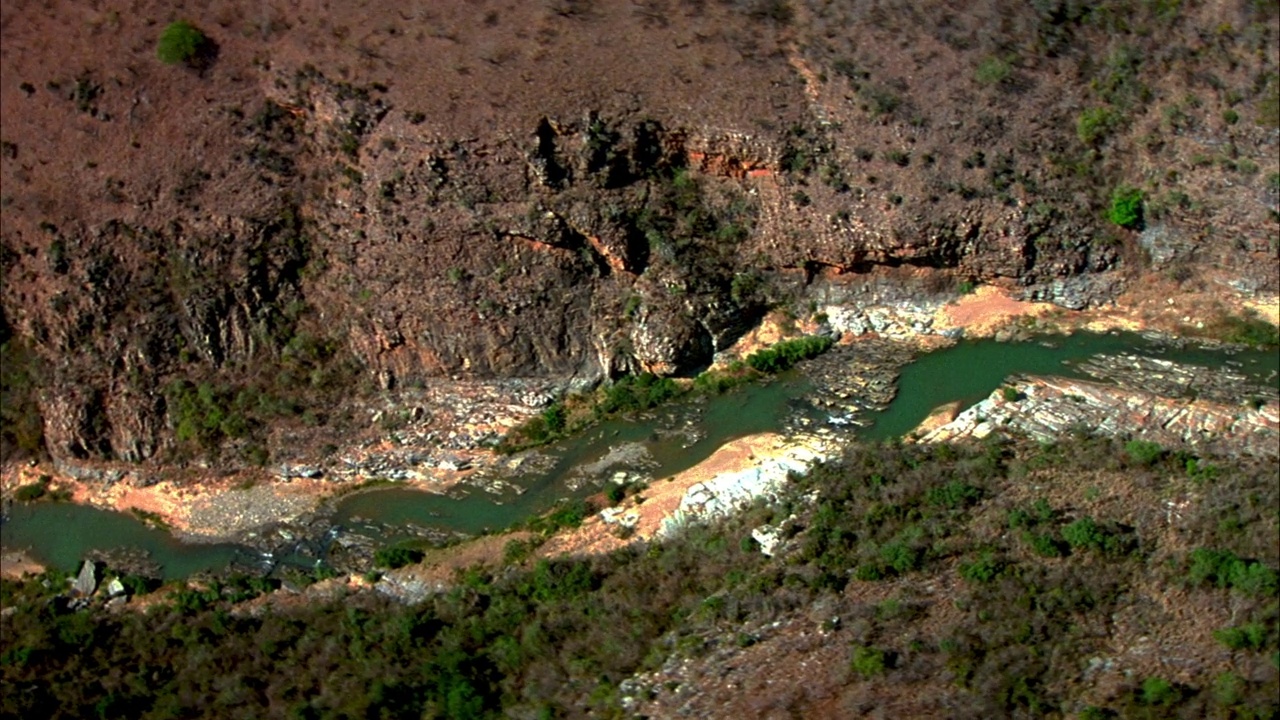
(1043, 569)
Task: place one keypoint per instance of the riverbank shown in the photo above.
(198, 504)
(16, 564)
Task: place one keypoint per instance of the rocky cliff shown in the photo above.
(346, 200)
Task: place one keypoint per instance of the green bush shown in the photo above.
(1046, 545)
(1248, 330)
(555, 417)
(397, 556)
(955, 494)
(1094, 124)
(983, 570)
(637, 392)
(568, 514)
(181, 42)
(1126, 207)
(1143, 452)
(1087, 534)
(868, 661)
(993, 71)
(1010, 394)
(1159, 692)
(782, 356)
(1245, 637)
(717, 382)
(1224, 569)
(32, 492)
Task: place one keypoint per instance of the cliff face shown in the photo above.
(354, 198)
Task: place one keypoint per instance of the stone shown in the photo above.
(115, 588)
(454, 462)
(86, 582)
(768, 536)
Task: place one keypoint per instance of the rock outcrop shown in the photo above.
(1047, 408)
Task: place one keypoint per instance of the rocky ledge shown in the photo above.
(1048, 407)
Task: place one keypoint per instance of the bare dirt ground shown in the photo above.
(16, 564)
(988, 309)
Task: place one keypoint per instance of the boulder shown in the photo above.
(86, 582)
(115, 588)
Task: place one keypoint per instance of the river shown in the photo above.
(655, 445)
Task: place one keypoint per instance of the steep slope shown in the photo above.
(350, 198)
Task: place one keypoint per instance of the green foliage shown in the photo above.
(1225, 569)
(31, 492)
(1045, 545)
(1010, 394)
(993, 71)
(782, 356)
(1087, 534)
(181, 42)
(556, 638)
(1249, 329)
(1158, 692)
(1094, 124)
(397, 556)
(716, 382)
(634, 393)
(1144, 452)
(953, 495)
(616, 493)
(868, 662)
(206, 413)
(1126, 207)
(555, 417)
(1252, 636)
(517, 551)
(983, 570)
(566, 514)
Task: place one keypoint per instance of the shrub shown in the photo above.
(1143, 452)
(32, 492)
(517, 551)
(1087, 534)
(993, 71)
(1246, 637)
(1225, 570)
(955, 494)
(181, 42)
(1094, 124)
(782, 356)
(901, 557)
(555, 418)
(397, 556)
(1126, 207)
(1046, 545)
(1010, 394)
(637, 392)
(868, 661)
(1158, 691)
(1247, 330)
(568, 514)
(983, 570)
(616, 493)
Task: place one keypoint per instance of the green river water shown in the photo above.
(675, 438)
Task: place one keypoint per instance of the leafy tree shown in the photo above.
(1126, 207)
(181, 42)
